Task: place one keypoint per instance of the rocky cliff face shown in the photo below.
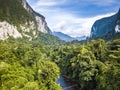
(18, 19)
(7, 30)
(117, 26)
(107, 27)
(40, 20)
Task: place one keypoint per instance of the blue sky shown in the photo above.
(74, 17)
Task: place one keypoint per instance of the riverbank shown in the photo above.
(66, 84)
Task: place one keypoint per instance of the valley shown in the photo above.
(33, 57)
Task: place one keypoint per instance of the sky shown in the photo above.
(74, 17)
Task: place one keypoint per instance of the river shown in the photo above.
(66, 85)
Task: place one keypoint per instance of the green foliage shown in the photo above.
(31, 65)
(94, 66)
(26, 67)
(78, 64)
(108, 77)
(48, 39)
(13, 12)
(99, 48)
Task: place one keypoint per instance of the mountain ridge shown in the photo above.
(19, 20)
(68, 38)
(39, 18)
(63, 36)
(106, 28)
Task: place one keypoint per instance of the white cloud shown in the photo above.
(60, 25)
(48, 3)
(104, 2)
(75, 26)
(100, 2)
(60, 20)
(44, 3)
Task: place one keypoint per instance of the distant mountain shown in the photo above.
(68, 38)
(107, 28)
(81, 38)
(63, 36)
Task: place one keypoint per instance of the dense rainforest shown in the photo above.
(26, 67)
(94, 65)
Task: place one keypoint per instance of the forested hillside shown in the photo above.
(94, 65)
(34, 66)
(26, 67)
(13, 12)
(31, 58)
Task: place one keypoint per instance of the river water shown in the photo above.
(66, 85)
